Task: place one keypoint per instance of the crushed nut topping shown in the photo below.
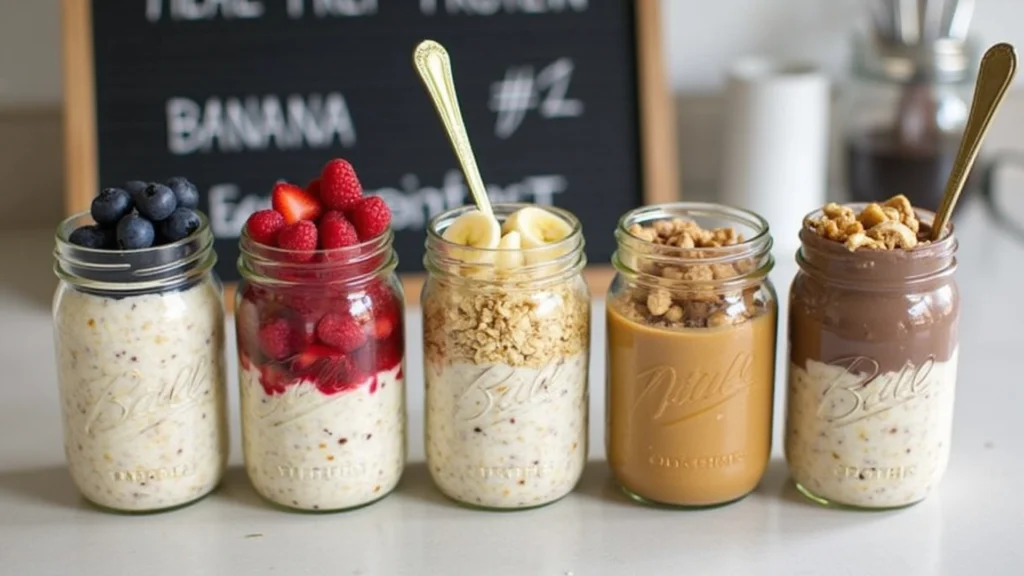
(525, 327)
(688, 298)
(887, 226)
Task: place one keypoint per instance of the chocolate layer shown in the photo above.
(868, 307)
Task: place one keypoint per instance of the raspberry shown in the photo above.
(263, 226)
(340, 331)
(294, 203)
(339, 186)
(371, 217)
(300, 238)
(336, 232)
(314, 187)
(337, 374)
(276, 339)
(389, 353)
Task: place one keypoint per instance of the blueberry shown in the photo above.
(93, 236)
(185, 191)
(180, 224)
(134, 232)
(156, 202)
(110, 206)
(135, 187)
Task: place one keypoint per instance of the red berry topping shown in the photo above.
(264, 225)
(274, 379)
(294, 203)
(310, 355)
(339, 186)
(336, 232)
(389, 354)
(300, 238)
(340, 331)
(371, 217)
(276, 339)
(385, 309)
(314, 187)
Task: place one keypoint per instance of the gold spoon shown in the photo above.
(431, 60)
(998, 66)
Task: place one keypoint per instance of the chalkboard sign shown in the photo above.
(564, 101)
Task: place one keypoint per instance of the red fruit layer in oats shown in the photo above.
(337, 342)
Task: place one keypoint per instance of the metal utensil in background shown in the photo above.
(996, 72)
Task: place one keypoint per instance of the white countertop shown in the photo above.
(973, 525)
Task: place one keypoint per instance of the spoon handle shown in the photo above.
(998, 66)
(435, 68)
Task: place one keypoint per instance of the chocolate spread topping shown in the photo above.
(890, 306)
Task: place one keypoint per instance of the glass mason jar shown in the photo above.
(139, 340)
(904, 112)
(506, 352)
(321, 351)
(691, 354)
(872, 370)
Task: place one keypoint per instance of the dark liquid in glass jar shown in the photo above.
(879, 166)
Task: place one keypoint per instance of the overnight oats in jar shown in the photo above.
(139, 339)
(319, 322)
(506, 321)
(691, 354)
(873, 344)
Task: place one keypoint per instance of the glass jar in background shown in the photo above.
(691, 354)
(506, 355)
(903, 114)
(140, 364)
(321, 352)
(872, 370)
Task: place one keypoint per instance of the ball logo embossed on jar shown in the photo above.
(131, 403)
(860, 392)
(669, 397)
(296, 403)
(497, 394)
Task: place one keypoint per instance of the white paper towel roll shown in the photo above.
(775, 159)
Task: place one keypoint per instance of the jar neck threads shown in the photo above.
(637, 258)
(351, 266)
(524, 268)
(124, 272)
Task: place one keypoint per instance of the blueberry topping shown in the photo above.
(93, 236)
(180, 224)
(135, 187)
(110, 206)
(134, 232)
(185, 191)
(156, 202)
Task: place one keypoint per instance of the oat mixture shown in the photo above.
(887, 226)
(506, 392)
(689, 298)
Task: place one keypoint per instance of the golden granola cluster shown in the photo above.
(886, 226)
(688, 297)
(515, 328)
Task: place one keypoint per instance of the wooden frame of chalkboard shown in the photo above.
(656, 141)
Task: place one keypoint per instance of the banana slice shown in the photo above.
(475, 230)
(510, 256)
(537, 226)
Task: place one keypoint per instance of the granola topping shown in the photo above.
(514, 327)
(887, 226)
(688, 297)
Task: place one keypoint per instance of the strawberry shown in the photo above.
(276, 339)
(389, 353)
(294, 203)
(310, 355)
(340, 331)
(336, 232)
(339, 186)
(385, 309)
(264, 225)
(371, 217)
(300, 239)
(247, 325)
(314, 187)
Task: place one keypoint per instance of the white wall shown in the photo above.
(701, 36)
